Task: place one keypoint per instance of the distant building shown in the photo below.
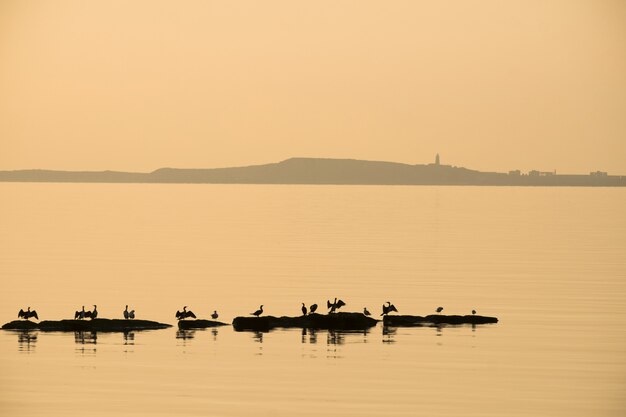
(535, 173)
(437, 160)
(515, 173)
(599, 174)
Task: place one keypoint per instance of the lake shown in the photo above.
(550, 263)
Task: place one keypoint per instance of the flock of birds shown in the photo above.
(181, 315)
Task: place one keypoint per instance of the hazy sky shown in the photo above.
(138, 85)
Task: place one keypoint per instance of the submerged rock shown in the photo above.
(408, 321)
(199, 324)
(335, 321)
(100, 325)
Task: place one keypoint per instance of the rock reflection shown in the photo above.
(184, 335)
(312, 336)
(84, 340)
(26, 341)
(389, 334)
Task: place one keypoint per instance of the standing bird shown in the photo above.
(439, 309)
(94, 313)
(180, 315)
(335, 305)
(473, 311)
(366, 312)
(126, 313)
(313, 308)
(388, 308)
(258, 312)
(214, 316)
(303, 309)
(80, 314)
(27, 314)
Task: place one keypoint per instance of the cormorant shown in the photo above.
(439, 309)
(388, 309)
(473, 311)
(180, 315)
(126, 313)
(335, 305)
(313, 308)
(303, 309)
(81, 314)
(27, 314)
(214, 316)
(258, 312)
(94, 313)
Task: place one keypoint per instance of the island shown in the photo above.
(435, 319)
(327, 171)
(333, 321)
(199, 324)
(100, 325)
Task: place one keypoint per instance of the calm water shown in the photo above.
(549, 262)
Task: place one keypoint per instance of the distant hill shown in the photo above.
(320, 171)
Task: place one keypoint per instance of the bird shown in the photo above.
(94, 313)
(27, 314)
(313, 308)
(214, 316)
(80, 314)
(258, 312)
(366, 312)
(131, 315)
(126, 313)
(439, 309)
(473, 311)
(180, 315)
(388, 308)
(335, 305)
(303, 309)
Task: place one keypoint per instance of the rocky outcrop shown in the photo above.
(100, 325)
(199, 324)
(408, 321)
(335, 321)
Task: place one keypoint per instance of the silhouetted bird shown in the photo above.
(129, 314)
(366, 312)
(214, 316)
(180, 315)
(335, 305)
(93, 314)
(258, 312)
(303, 309)
(439, 309)
(388, 309)
(473, 311)
(313, 308)
(80, 314)
(27, 314)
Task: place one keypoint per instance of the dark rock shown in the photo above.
(408, 321)
(335, 321)
(20, 325)
(100, 325)
(199, 324)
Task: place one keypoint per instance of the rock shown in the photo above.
(408, 321)
(100, 325)
(199, 324)
(335, 321)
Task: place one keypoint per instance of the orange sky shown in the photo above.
(491, 85)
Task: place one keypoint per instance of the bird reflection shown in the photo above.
(389, 334)
(335, 338)
(258, 337)
(26, 341)
(84, 340)
(309, 335)
(185, 334)
(214, 333)
(129, 337)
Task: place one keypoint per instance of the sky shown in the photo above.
(489, 85)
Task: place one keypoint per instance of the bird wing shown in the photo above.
(76, 315)
(393, 308)
(328, 304)
(21, 313)
(340, 303)
(178, 314)
(190, 314)
(34, 314)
